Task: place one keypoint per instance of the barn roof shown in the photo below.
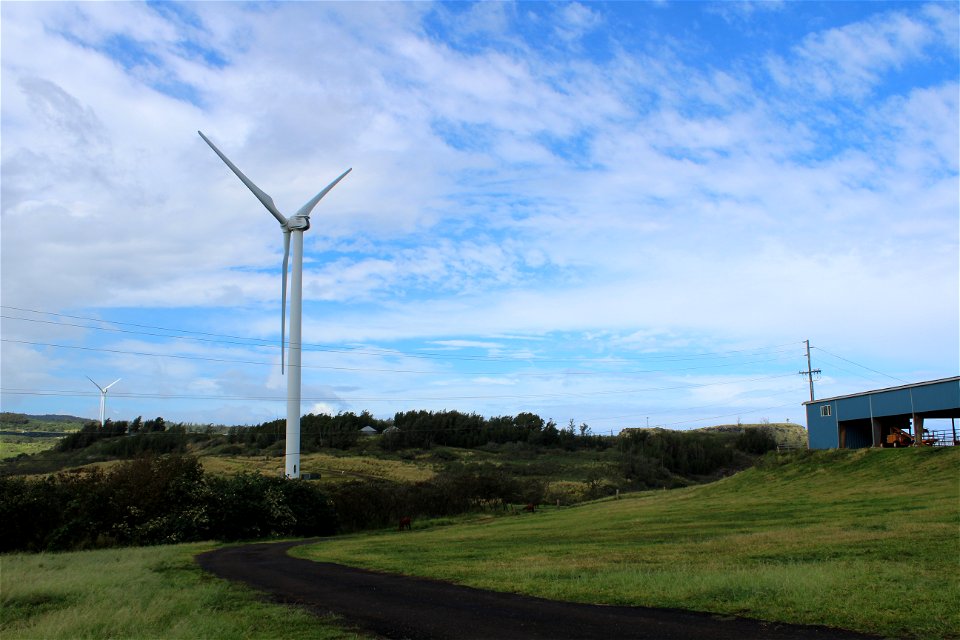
(915, 385)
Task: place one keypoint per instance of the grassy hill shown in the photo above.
(863, 540)
(29, 434)
(47, 422)
(786, 434)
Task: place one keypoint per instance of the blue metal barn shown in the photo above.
(869, 419)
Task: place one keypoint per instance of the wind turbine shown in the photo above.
(103, 395)
(293, 226)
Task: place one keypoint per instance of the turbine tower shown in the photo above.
(103, 395)
(293, 226)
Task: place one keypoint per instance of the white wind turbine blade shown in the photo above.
(263, 197)
(111, 384)
(95, 384)
(307, 208)
(283, 297)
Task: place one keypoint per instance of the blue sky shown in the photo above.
(615, 213)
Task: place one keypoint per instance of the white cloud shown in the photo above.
(574, 20)
(850, 60)
(503, 184)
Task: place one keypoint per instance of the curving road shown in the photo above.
(394, 606)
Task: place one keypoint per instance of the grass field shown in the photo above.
(864, 540)
(13, 446)
(155, 592)
(331, 467)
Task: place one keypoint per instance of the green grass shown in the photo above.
(154, 592)
(864, 540)
(13, 446)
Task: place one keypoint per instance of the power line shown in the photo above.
(735, 413)
(180, 396)
(857, 374)
(860, 365)
(709, 406)
(700, 361)
(185, 334)
(377, 370)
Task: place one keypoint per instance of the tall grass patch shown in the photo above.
(329, 467)
(156, 592)
(864, 540)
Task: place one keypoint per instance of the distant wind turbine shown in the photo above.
(295, 225)
(103, 395)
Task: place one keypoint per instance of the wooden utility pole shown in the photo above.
(810, 370)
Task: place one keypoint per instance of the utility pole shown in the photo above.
(810, 371)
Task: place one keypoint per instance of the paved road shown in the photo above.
(396, 606)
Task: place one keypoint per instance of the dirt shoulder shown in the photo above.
(395, 606)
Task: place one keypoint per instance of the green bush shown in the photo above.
(155, 500)
(756, 440)
(249, 505)
(379, 503)
(662, 458)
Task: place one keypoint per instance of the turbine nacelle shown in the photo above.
(296, 223)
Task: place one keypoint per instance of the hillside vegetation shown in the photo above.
(47, 422)
(863, 540)
(152, 482)
(24, 435)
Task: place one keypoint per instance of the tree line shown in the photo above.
(154, 436)
(316, 431)
(423, 430)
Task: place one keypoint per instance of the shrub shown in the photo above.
(153, 500)
(756, 440)
(249, 505)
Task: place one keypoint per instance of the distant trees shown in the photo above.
(316, 431)
(92, 432)
(17, 419)
(424, 429)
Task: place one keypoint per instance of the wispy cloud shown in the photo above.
(532, 171)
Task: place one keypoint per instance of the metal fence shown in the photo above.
(942, 438)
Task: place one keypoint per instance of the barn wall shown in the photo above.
(822, 431)
(863, 420)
